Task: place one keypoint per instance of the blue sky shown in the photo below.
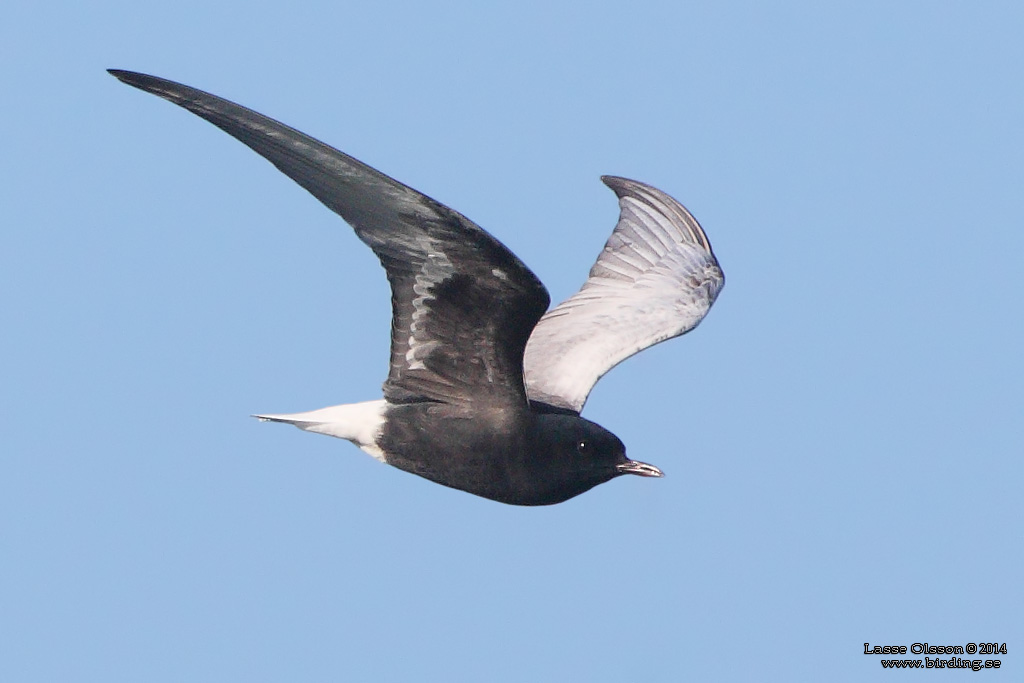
(842, 436)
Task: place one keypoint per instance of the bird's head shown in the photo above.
(573, 455)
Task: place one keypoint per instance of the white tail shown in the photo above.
(360, 423)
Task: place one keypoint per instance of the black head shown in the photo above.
(573, 455)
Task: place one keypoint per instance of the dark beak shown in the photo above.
(639, 468)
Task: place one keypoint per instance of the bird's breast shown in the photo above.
(480, 451)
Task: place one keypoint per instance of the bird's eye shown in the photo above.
(583, 446)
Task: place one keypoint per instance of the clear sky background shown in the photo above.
(842, 436)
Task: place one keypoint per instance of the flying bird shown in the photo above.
(486, 385)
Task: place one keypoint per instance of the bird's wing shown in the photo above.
(463, 304)
(655, 279)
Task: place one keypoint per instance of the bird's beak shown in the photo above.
(639, 468)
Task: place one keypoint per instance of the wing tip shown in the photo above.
(623, 186)
(661, 202)
(620, 185)
(135, 78)
(162, 87)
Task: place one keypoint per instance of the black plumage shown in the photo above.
(456, 409)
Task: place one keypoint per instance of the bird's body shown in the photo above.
(494, 452)
(500, 454)
(461, 406)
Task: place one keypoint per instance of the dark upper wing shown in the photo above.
(655, 279)
(464, 305)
